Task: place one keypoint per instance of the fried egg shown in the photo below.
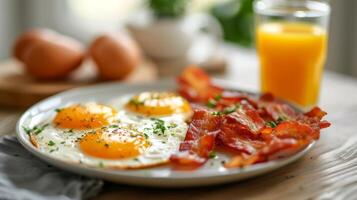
(158, 104)
(86, 116)
(119, 135)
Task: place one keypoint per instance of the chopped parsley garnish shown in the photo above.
(272, 124)
(281, 119)
(58, 109)
(53, 150)
(232, 108)
(39, 129)
(218, 97)
(35, 130)
(217, 113)
(229, 110)
(146, 136)
(211, 103)
(113, 126)
(159, 126)
(51, 143)
(173, 125)
(27, 130)
(212, 154)
(136, 102)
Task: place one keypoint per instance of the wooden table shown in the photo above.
(329, 171)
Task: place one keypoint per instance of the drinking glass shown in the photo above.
(291, 38)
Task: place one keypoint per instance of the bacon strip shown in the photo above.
(240, 130)
(228, 98)
(286, 139)
(196, 86)
(275, 149)
(254, 131)
(199, 141)
(272, 109)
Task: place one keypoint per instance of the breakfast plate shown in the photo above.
(213, 172)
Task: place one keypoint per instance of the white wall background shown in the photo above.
(18, 15)
(342, 55)
(9, 25)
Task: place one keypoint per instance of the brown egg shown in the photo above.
(27, 39)
(47, 54)
(115, 55)
(53, 59)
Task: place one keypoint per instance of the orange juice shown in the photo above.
(292, 56)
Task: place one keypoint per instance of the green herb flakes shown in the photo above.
(211, 103)
(216, 113)
(35, 130)
(58, 110)
(229, 110)
(173, 125)
(51, 143)
(281, 119)
(212, 154)
(113, 126)
(272, 124)
(218, 97)
(159, 126)
(27, 130)
(136, 102)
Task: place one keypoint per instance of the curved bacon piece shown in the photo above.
(196, 86)
(275, 149)
(314, 118)
(295, 130)
(228, 99)
(272, 109)
(253, 130)
(240, 130)
(199, 141)
(286, 139)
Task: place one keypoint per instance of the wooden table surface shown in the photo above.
(329, 171)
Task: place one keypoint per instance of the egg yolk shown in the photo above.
(85, 116)
(118, 144)
(158, 103)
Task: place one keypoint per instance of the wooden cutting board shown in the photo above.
(20, 90)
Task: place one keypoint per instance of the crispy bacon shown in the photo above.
(314, 118)
(199, 141)
(275, 149)
(286, 139)
(254, 131)
(196, 86)
(240, 130)
(230, 98)
(273, 109)
(295, 130)
(316, 112)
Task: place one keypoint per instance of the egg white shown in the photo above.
(63, 144)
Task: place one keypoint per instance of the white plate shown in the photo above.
(212, 173)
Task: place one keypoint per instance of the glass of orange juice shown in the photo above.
(291, 39)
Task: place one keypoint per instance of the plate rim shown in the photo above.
(99, 172)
